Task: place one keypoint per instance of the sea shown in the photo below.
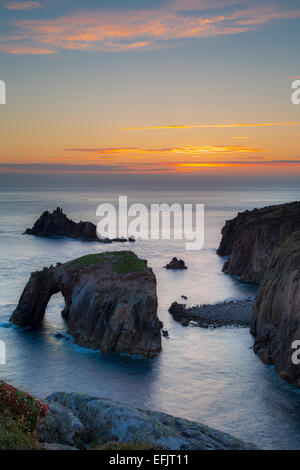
(210, 376)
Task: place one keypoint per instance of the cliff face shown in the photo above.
(252, 237)
(110, 302)
(276, 320)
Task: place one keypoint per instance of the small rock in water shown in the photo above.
(59, 335)
(176, 264)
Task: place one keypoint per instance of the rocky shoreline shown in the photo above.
(73, 421)
(231, 313)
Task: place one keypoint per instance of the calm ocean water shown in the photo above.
(210, 376)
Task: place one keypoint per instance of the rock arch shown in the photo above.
(110, 302)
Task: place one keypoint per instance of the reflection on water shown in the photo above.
(206, 375)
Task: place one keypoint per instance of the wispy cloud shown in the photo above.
(207, 126)
(22, 5)
(41, 168)
(193, 150)
(143, 168)
(273, 163)
(18, 49)
(123, 30)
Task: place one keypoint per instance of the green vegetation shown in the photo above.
(15, 436)
(19, 415)
(90, 260)
(135, 445)
(128, 262)
(123, 262)
(274, 212)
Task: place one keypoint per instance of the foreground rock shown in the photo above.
(234, 313)
(276, 321)
(72, 421)
(57, 224)
(252, 237)
(110, 302)
(176, 264)
(107, 421)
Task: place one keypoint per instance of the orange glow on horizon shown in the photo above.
(210, 126)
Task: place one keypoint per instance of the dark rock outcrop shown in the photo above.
(107, 421)
(110, 302)
(176, 264)
(57, 224)
(252, 237)
(179, 313)
(276, 321)
(232, 313)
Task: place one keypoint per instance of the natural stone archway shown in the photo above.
(110, 302)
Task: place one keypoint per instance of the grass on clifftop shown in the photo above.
(123, 262)
(19, 415)
(291, 209)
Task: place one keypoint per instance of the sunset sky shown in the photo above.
(172, 87)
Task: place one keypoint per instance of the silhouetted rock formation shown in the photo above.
(252, 237)
(276, 321)
(110, 302)
(176, 264)
(57, 224)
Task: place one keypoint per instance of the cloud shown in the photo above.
(193, 150)
(22, 5)
(207, 126)
(144, 168)
(18, 49)
(272, 163)
(124, 30)
(121, 168)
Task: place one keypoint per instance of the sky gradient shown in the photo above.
(173, 87)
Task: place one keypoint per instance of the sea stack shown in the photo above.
(110, 302)
(57, 224)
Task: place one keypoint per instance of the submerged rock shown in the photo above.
(252, 237)
(176, 264)
(276, 321)
(108, 421)
(110, 302)
(57, 224)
